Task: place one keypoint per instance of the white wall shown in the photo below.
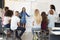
(31, 5)
(43, 5)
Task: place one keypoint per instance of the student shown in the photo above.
(44, 23)
(7, 18)
(15, 25)
(23, 15)
(54, 9)
(37, 19)
(6, 22)
(21, 28)
(52, 17)
(15, 22)
(5, 9)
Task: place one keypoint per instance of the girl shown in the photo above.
(23, 15)
(7, 21)
(44, 23)
(7, 18)
(37, 19)
(44, 26)
(52, 17)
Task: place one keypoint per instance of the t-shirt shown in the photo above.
(44, 25)
(6, 20)
(14, 21)
(52, 19)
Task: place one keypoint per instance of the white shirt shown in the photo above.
(6, 20)
(14, 21)
(52, 20)
(36, 25)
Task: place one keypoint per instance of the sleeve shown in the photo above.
(18, 19)
(27, 15)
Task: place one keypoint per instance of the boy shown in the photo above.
(15, 23)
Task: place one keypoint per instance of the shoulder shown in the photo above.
(17, 18)
(6, 17)
(13, 17)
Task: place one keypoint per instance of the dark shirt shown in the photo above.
(44, 25)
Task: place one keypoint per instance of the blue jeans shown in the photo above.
(22, 31)
(7, 26)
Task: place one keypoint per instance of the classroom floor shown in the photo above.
(28, 36)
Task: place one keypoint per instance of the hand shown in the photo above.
(33, 24)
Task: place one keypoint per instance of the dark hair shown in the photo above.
(22, 10)
(6, 8)
(9, 13)
(17, 11)
(44, 17)
(53, 7)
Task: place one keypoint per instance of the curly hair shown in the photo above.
(44, 17)
(6, 8)
(53, 7)
(9, 13)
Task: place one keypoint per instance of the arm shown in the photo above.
(18, 24)
(9, 21)
(41, 18)
(33, 23)
(27, 15)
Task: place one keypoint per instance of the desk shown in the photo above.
(55, 31)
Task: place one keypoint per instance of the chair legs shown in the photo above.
(7, 32)
(41, 35)
(14, 37)
(45, 35)
(36, 36)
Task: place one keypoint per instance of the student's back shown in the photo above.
(14, 21)
(44, 23)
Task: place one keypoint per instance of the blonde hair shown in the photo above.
(37, 17)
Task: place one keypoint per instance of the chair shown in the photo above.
(7, 32)
(41, 35)
(14, 34)
(36, 35)
(45, 35)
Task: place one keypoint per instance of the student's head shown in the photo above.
(9, 13)
(23, 9)
(52, 7)
(6, 8)
(51, 11)
(44, 16)
(16, 13)
(36, 12)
